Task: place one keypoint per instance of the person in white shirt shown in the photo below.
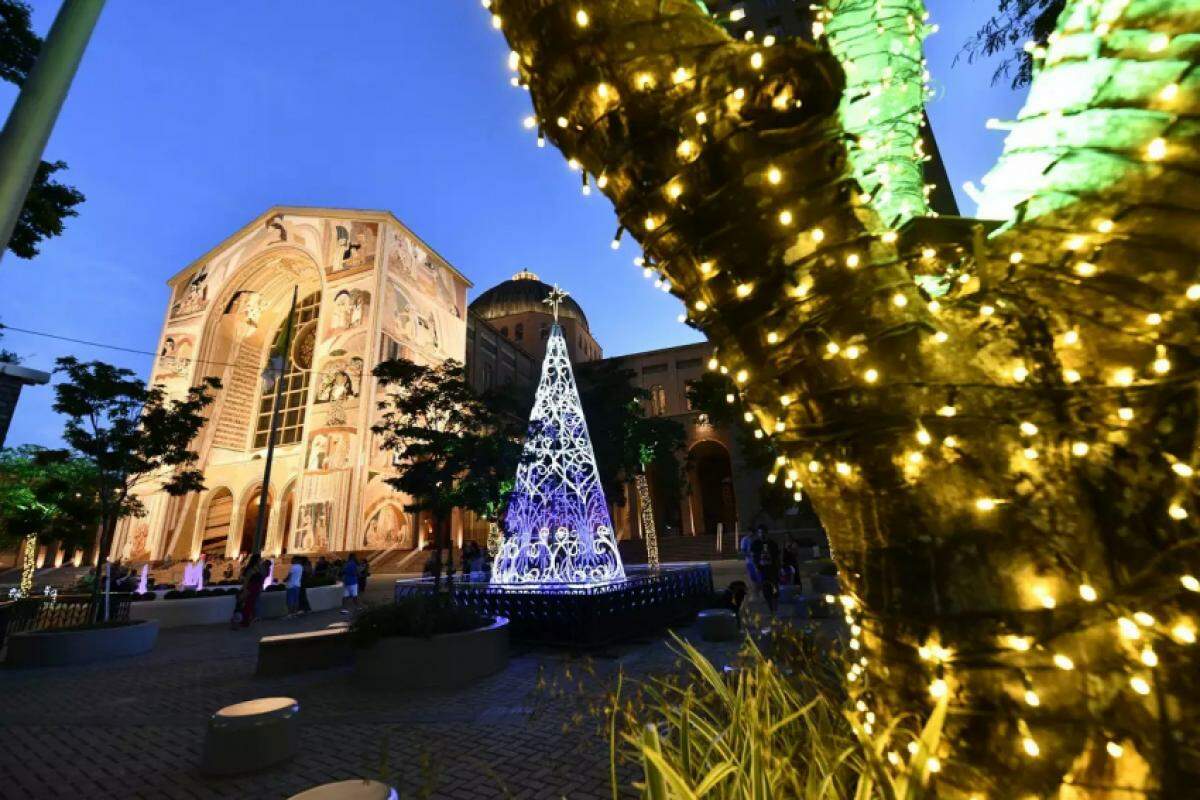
(294, 576)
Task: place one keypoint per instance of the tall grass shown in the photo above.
(766, 729)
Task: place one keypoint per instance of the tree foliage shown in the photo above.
(1005, 34)
(49, 494)
(624, 439)
(49, 202)
(451, 447)
(131, 435)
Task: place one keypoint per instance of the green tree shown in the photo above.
(49, 202)
(1007, 32)
(451, 448)
(625, 440)
(132, 435)
(45, 496)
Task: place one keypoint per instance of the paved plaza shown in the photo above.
(135, 728)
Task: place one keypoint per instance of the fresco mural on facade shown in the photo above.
(192, 295)
(354, 247)
(312, 527)
(388, 527)
(174, 358)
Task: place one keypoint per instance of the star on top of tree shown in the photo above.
(555, 298)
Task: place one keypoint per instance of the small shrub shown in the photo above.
(173, 594)
(423, 616)
(275, 587)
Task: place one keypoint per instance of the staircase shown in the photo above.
(395, 561)
(673, 549)
(240, 389)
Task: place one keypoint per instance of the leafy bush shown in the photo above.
(423, 616)
(780, 726)
(143, 598)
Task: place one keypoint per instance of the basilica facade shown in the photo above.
(366, 289)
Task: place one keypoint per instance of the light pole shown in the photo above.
(275, 373)
(33, 115)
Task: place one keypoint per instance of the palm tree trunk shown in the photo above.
(28, 564)
(1006, 500)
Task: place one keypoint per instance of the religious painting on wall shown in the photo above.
(138, 546)
(329, 450)
(338, 383)
(412, 320)
(312, 526)
(350, 308)
(409, 263)
(388, 527)
(193, 296)
(174, 358)
(353, 247)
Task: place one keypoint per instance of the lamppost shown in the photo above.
(273, 380)
(32, 117)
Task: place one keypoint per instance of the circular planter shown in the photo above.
(60, 648)
(446, 661)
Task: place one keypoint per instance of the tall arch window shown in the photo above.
(658, 400)
(294, 393)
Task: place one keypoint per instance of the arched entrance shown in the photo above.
(288, 507)
(710, 478)
(214, 536)
(250, 521)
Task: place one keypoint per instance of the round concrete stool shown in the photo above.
(349, 790)
(250, 736)
(717, 625)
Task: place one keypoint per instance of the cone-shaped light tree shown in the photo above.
(557, 528)
(997, 431)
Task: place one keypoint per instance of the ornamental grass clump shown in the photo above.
(767, 728)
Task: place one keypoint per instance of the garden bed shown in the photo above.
(82, 644)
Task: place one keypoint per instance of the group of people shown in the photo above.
(768, 565)
(473, 563)
(301, 574)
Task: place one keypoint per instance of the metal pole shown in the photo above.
(33, 115)
(261, 522)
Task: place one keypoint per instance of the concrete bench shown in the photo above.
(349, 790)
(287, 653)
(250, 736)
(717, 625)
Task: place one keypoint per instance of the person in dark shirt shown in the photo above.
(350, 584)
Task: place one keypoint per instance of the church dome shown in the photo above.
(521, 294)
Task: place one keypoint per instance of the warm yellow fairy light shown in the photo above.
(833, 348)
(1143, 619)
(852, 352)
(842, 468)
(1115, 750)
(1075, 243)
(1063, 662)
(941, 337)
(700, 305)
(1129, 629)
(1184, 633)
(1193, 292)
(497, 23)
(785, 400)
(1019, 643)
(674, 190)
(1139, 684)
(563, 122)
(899, 300)
(1072, 376)
(1149, 657)
(785, 217)
(742, 376)
(938, 688)
(680, 75)
(1157, 149)
(651, 223)
(871, 375)
(1125, 413)
(1088, 592)
(1080, 449)
(1044, 597)
(950, 441)
(744, 289)
(1190, 582)
(947, 411)
(1169, 92)
(1071, 337)
(1028, 429)
(923, 436)
(1020, 373)
(581, 18)
(1016, 258)
(814, 466)
(818, 235)
(915, 457)
(772, 337)
(530, 123)
(890, 237)
(774, 175)
(1031, 747)
(985, 504)
(1123, 376)
(853, 260)
(1085, 269)
(1177, 512)
(686, 148)
(987, 310)
(756, 60)
(933, 764)
(1031, 698)
(1105, 226)
(1161, 365)
(1158, 42)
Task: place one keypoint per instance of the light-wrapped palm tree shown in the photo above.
(997, 426)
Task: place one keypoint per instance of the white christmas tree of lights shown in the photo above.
(557, 527)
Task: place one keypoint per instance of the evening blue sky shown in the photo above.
(188, 119)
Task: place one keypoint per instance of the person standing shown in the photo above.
(350, 584)
(306, 579)
(252, 584)
(293, 583)
(364, 571)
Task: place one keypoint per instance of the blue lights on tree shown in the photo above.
(557, 528)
